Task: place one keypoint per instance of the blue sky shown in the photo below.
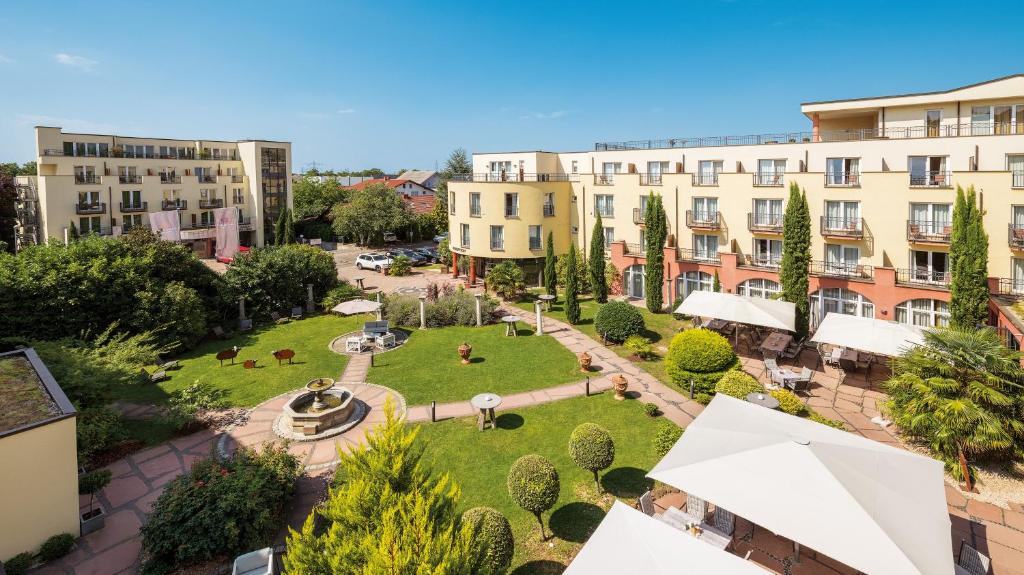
(400, 84)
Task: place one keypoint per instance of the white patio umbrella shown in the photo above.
(776, 314)
(627, 541)
(868, 334)
(876, 508)
(355, 306)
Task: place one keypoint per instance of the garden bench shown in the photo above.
(372, 329)
(277, 318)
(156, 376)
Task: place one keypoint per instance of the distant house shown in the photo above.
(345, 181)
(425, 178)
(402, 187)
(420, 204)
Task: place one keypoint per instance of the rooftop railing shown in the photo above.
(514, 177)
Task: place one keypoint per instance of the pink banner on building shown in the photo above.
(226, 222)
(166, 224)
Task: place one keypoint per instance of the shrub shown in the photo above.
(703, 398)
(56, 547)
(789, 402)
(675, 305)
(592, 448)
(533, 484)
(19, 564)
(451, 308)
(186, 404)
(582, 273)
(98, 429)
(666, 436)
(274, 278)
(651, 409)
(494, 534)
(400, 266)
(738, 384)
(343, 292)
(219, 508)
(617, 320)
(640, 346)
(92, 483)
(700, 355)
(819, 418)
(402, 310)
(506, 280)
(444, 253)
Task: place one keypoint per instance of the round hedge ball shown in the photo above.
(617, 320)
(699, 356)
(533, 484)
(738, 384)
(591, 447)
(494, 532)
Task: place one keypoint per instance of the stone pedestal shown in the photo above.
(423, 312)
(479, 317)
(540, 317)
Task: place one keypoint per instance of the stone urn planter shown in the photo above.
(585, 361)
(620, 384)
(464, 350)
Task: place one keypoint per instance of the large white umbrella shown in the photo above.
(355, 306)
(627, 541)
(868, 334)
(776, 314)
(876, 508)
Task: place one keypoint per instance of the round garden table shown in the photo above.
(486, 402)
(547, 299)
(510, 325)
(763, 399)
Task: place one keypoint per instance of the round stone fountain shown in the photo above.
(323, 410)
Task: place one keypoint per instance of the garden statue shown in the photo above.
(464, 350)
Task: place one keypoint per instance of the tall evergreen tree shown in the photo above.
(968, 257)
(655, 223)
(73, 233)
(716, 284)
(289, 227)
(572, 302)
(598, 284)
(550, 276)
(279, 227)
(796, 256)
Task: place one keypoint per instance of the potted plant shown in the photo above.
(90, 484)
(464, 350)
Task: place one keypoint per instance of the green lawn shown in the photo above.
(247, 387)
(427, 367)
(479, 462)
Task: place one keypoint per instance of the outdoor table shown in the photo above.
(776, 342)
(510, 325)
(547, 299)
(359, 281)
(848, 359)
(716, 324)
(763, 399)
(486, 402)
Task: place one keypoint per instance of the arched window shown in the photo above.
(923, 312)
(633, 281)
(689, 282)
(839, 300)
(758, 287)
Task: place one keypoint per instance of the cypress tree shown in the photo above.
(550, 276)
(968, 257)
(654, 275)
(572, 302)
(796, 256)
(598, 284)
(716, 284)
(289, 228)
(279, 227)
(73, 233)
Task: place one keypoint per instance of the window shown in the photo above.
(929, 267)
(474, 204)
(928, 171)
(451, 203)
(654, 172)
(708, 170)
(1015, 164)
(605, 205)
(841, 259)
(842, 216)
(643, 207)
(131, 198)
(759, 287)
(609, 236)
(549, 204)
(90, 225)
(206, 219)
(767, 253)
(923, 312)
(930, 219)
(633, 281)
(535, 237)
(932, 121)
(689, 282)
(608, 171)
(705, 247)
(130, 221)
(1017, 265)
(980, 118)
(511, 205)
(464, 235)
(768, 213)
(498, 238)
(839, 300)
(705, 210)
(204, 194)
(500, 169)
(770, 172)
(238, 195)
(575, 166)
(842, 172)
(90, 149)
(89, 199)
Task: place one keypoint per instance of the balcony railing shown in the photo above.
(134, 207)
(95, 230)
(700, 256)
(1018, 179)
(87, 179)
(769, 179)
(842, 227)
(170, 179)
(1011, 286)
(650, 179)
(842, 179)
(129, 227)
(549, 210)
(1015, 237)
(764, 223)
(762, 261)
(604, 179)
(639, 216)
(129, 179)
(86, 208)
(168, 205)
(930, 179)
(514, 177)
(705, 220)
(932, 232)
(236, 179)
(705, 179)
(635, 249)
(841, 270)
(206, 179)
(207, 204)
(923, 277)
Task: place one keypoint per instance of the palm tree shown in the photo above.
(962, 393)
(506, 280)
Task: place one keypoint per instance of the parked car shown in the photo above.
(429, 253)
(417, 258)
(376, 262)
(440, 237)
(390, 237)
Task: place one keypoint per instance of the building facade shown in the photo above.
(880, 176)
(107, 184)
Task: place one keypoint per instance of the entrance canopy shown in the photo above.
(776, 314)
(868, 334)
(627, 541)
(876, 508)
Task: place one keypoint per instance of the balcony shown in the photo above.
(129, 179)
(168, 205)
(207, 204)
(650, 179)
(500, 177)
(170, 179)
(839, 227)
(841, 270)
(95, 230)
(237, 179)
(639, 216)
(133, 207)
(206, 179)
(761, 261)
(923, 277)
(604, 179)
(1013, 287)
(87, 208)
(1015, 237)
(769, 180)
(705, 179)
(703, 220)
(928, 232)
(636, 250)
(842, 180)
(87, 179)
(699, 256)
(931, 180)
(764, 223)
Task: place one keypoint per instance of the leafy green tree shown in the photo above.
(572, 302)
(275, 278)
(960, 392)
(596, 263)
(289, 227)
(314, 198)
(591, 447)
(656, 226)
(796, 256)
(444, 253)
(494, 532)
(506, 280)
(550, 277)
(968, 256)
(371, 212)
(534, 485)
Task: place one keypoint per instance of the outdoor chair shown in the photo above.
(156, 376)
(245, 325)
(219, 332)
(647, 503)
(696, 508)
(297, 312)
(864, 361)
(972, 561)
(372, 329)
(260, 562)
(802, 383)
(724, 520)
(833, 357)
(277, 317)
(173, 364)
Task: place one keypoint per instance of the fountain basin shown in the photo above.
(301, 418)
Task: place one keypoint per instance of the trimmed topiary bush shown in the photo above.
(666, 436)
(400, 266)
(534, 485)
(700, 355)
(651, 409)
(703, 398)
(738, 384)
(18, 564)
(789, 402)
(617, 320)
(56, 547)
(494, 533)
(592, 448)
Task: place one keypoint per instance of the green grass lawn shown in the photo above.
(427, 367)
(247, 387)
(479, 462)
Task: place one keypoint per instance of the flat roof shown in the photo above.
(164, 139)
(911, 94)
(29, 395)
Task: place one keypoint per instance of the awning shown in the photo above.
(876, 508)
(868, 334)
(355, 306)
(627, 541)
(776, 314)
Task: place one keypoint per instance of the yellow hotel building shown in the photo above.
(880, 175)
(107, 184)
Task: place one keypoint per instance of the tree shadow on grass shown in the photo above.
(575, 521)
(540, 567)
(626, 482)
(651, 335)
(509, 421)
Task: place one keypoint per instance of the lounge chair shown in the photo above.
(972, 561)
(277, 317)
(173, 364)
(156, 376)
(802, 383)
(259, 562)
(219, 332)
(724, 520)
(647, 503)
(297, 312)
